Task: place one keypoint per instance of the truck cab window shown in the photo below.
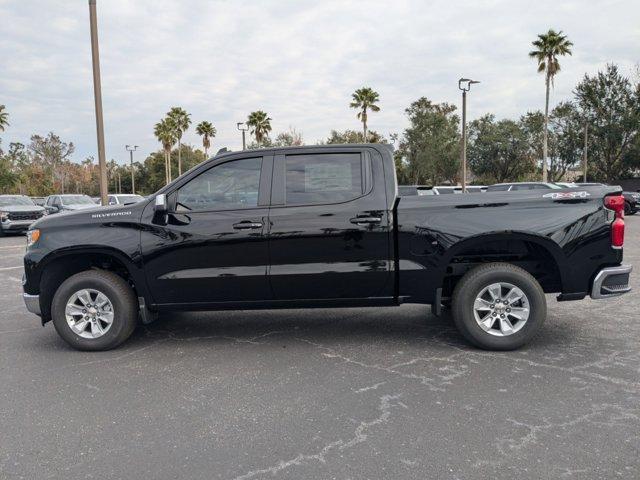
(229, 186)
(324, 178)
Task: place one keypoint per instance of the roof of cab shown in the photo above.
(331, 146)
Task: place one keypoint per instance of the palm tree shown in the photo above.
(181, 121)
(165, 132)
(365, 99)
(260, 125)
(207, 132)
(548, 47)
(4, 118)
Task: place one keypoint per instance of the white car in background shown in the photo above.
(124, 199)
(68, 203)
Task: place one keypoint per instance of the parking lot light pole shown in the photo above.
(97, 94)
(464, 84)
(131, 149)
(243, 127)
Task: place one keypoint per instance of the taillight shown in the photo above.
(616, 203)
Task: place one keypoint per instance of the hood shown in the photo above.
(92, 215)
(22, 208)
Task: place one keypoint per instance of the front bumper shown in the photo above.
(32, 303)
(16, 225)
(611, 282)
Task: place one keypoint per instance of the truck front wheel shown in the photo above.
(94, 310)
(498, 306)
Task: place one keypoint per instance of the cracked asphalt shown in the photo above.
(376, 393)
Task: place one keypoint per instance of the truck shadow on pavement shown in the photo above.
(410, 325)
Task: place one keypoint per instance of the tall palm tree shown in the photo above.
(365, 99)
(165, 132)
(548, 47)
(207, 132)
(4, 118)
(181, 121)
(260, 125)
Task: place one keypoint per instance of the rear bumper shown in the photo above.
(611, 282)
(32, 303)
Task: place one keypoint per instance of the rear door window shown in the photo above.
(325, 178)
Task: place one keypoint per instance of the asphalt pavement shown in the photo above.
(375, 393)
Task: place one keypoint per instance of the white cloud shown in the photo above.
(298, 60)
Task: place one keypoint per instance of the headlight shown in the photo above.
(32, 236)
(3, 216)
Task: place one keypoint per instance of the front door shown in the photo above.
(212, 246)
(329, 235)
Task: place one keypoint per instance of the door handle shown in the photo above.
(247, 225)
(365, 220)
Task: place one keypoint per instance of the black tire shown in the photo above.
(627, 208)
(472, 284)
(118, 291)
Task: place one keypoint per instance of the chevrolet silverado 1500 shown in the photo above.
(323, 226)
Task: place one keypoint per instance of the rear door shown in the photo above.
(329, 227)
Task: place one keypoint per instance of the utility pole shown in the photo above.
(243, 127)
(463, 154)
(131, 149)
(119, 181)
(97, 94)
(584, 152)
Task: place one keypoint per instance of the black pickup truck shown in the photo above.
(323, 226)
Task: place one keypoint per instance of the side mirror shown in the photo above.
(52, 209)
(160, 205)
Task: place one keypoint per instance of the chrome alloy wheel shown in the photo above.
(501, 309)
(89, 313)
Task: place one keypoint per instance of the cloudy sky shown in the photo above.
(298, 60)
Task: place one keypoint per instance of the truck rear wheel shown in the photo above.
(498, 306)
(94, 310)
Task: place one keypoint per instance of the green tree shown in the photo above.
(498, 150)
(207, 131)
(532, 125)
(165, 132)
(152, 171)
(4, 118)
(566, 130)
(51, 153)
(364, 99)
(180, 120)
(610, 105)
(548, 47)
(290, 138)
(260, 124)
(351, 136)
(430, 148)
(8, 177)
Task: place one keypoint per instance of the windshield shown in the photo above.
(76, 200)
(7, 201)
(130, 198)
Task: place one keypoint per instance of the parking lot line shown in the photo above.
(11, 268)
